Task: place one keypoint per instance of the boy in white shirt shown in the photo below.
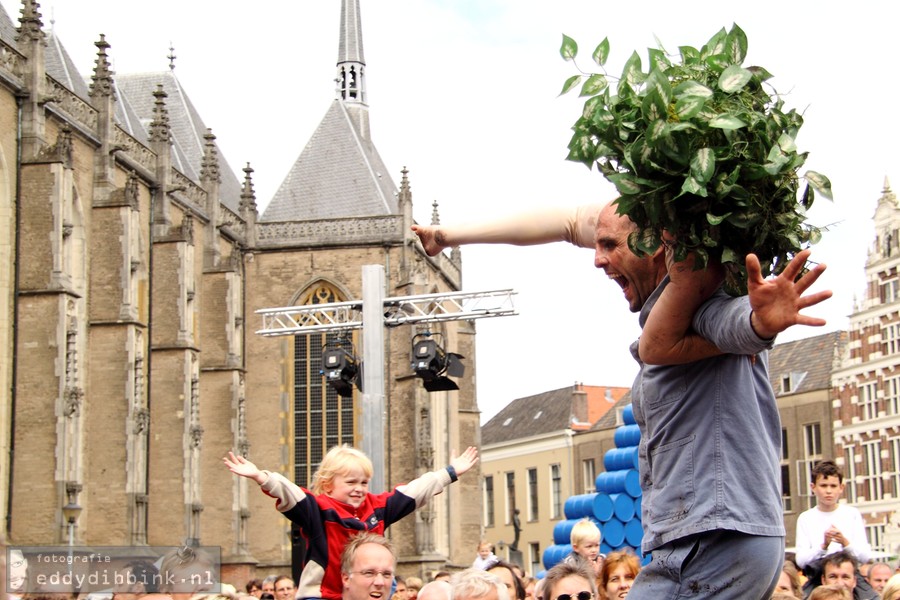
(829, 526)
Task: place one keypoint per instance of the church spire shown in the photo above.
(351, 64)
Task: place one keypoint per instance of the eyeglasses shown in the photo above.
(372, 574)
(579, 596)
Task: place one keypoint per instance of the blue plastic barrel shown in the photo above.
(628, 415)
(603, 507)
(614, 533)
(580, 506)
(605, 548)
(617, 459)
(562, 531)
(627, 435)
(634, 533)
(555, 553)
(637, 507)
(623, 506)
(616, 482)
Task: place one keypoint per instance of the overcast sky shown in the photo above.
(464, 93)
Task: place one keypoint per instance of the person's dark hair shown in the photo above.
(144, 572)
(826, 468)
(517, 582)
(565, 569)
(837, 559)
(253, 583)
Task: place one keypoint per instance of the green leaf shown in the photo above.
(734, 78)
(715, 45)
(692, 88)
(601, 52)
(660, 83)
(689, 54)
(688, 107)
(726, 121)
(653, 107)
(631, 73)
(570, 83)
(716, 220)
(736, 45)
(657, 60)
(703, 165)
(625, 184)
(657, 130)
(595, 84)
(569, 49)
(760, 73)
(820, 182)
(692, 186)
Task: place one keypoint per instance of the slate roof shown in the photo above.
(58, 65)
(610, 419)
(134, 109)
(185, 125)
(7, 28)
(530, 416)
(808, 361)
(339, 174)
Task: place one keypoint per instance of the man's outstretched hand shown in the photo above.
(430, 237)
(776, 303)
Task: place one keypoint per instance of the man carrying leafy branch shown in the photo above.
(710, 431)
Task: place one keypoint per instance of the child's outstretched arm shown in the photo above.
(465, 461)
(239, 465)
(286, 493)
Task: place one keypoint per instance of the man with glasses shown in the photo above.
(284, 588)
(367, 568)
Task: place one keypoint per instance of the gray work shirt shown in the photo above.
(710, 444)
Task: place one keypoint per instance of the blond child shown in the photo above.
(341, 506)
(585, 539)
(485, 556)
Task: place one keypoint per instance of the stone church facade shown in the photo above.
(132, 261)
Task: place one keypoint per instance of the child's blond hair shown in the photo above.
(485, 544)
(339, 461)
(583, 530)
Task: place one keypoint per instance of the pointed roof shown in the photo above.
(807, 362)
(7, 28)
(186, 126)
(530, 416)
(573, 407)
(59, 66)
(339, 173)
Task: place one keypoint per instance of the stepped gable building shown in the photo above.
(133, 260)
(528, 464)
(866, 381)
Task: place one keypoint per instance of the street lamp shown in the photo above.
(71, 512)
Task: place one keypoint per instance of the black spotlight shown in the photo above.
(433, 364)
(341, 369)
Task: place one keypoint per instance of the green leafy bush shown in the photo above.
(700, 149)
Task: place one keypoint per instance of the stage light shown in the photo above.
(433, 364)
(342, 370)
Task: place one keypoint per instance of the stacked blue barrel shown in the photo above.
(616, 505)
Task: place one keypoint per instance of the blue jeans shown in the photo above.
(718, 564)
